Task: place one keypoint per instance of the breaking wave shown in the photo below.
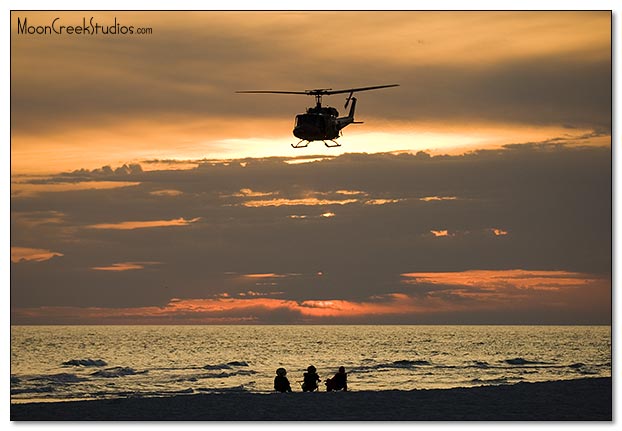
(227, 366)
(36, 390)
(60, 378)
(493, 381)
(523, 361)
(117, 372)
(86, 362)
(238, 389)
(401, 364)
(408, 364)
(480, 364)
(221, 375)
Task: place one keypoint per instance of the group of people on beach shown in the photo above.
(339, 382)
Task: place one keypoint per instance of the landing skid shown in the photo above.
(306, 143)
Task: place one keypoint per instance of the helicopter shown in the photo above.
(322, 123)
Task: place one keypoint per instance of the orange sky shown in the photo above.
(481, 290)
(143, 188)
(87, 102)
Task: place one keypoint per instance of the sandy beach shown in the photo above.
(570, 400)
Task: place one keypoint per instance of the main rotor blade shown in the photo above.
(274, 92)
(321, 91)
(354, 90)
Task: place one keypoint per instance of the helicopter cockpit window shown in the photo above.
(309, 120)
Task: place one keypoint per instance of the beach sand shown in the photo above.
(570, 400)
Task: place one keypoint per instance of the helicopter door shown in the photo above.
(307, 121)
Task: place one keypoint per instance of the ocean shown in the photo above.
(61, 363)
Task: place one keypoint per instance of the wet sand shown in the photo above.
(570, 400)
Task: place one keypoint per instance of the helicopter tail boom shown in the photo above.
(352, 108)
(344, 121)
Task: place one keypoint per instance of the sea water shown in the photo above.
(59, 363)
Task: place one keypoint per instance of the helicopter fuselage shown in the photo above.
(321, 123)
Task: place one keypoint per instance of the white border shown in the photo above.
(615, 6)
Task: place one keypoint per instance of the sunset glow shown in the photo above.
(268, 275)
(191, 130)
(147, 189)
(124, 266)
(296, 202)
(129, 225)
(515, 278)
(21, 189)
(25, 254)
(482, 290)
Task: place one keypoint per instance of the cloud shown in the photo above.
(464, 294)
(124, 266)
(264, 275)
(313, 198)
(297, 202)
(130, 225)
(382, 201)
(251, 193)
(438, 198)
(461, 233)
(30, 219)
(166, 192)
(252, 293)
(503, 279)
(249, 306)
(31, 188)
(554, 202)
(27, 254)
(494, 153)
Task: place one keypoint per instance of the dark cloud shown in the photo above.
(553, 201)
(190, 70)
(552, 90)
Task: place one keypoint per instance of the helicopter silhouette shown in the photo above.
(322, 123)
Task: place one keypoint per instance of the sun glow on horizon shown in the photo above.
(481, 289)
(185, 150)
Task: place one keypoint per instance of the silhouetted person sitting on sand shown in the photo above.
(311, 380)
(281, 384)
(338, 382)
